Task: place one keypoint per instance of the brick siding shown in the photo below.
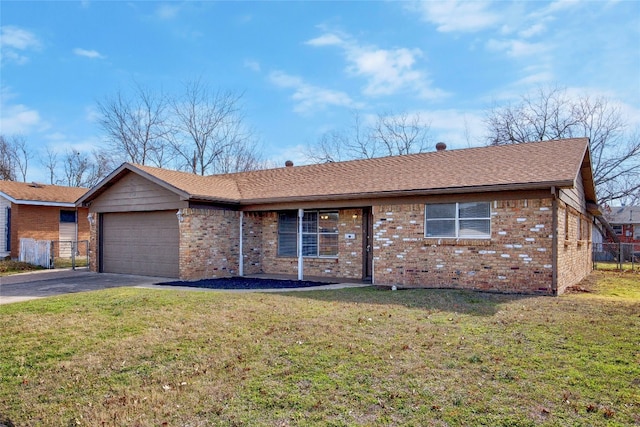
(347, 265)
(574, 252)
(209, 243)
(41, 223)
(517, 257)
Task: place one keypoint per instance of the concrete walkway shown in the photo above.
(46, 283)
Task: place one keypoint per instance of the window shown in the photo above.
(287, 234)
(67, 216)
(470, 220)
(319, 234)
(617, 229)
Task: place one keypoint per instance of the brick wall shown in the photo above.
(517, 258)
(93, 242)
(209, 243)
(252, 242)
(41, 223)
(347, 265)
(574, 246)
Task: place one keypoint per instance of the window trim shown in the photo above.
(317, 233)
(456, 220)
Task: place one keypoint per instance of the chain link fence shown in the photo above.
(616, 256)
(70, 254)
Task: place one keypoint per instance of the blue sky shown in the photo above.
(305, 66)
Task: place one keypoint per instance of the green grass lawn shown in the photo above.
(353, 357)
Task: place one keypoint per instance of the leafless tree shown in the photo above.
(7, 160)
(390, 134)
(15, 156)
(101, 165)
(136, 126)
(22, 155)
(240, 158)
(207, 124)
(401, 133)
(50, 162)
(551, 114)
(76, 167)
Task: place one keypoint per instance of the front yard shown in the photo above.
(139, 357)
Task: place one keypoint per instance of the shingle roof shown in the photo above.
(518, 166)
(623, 215)
(31, 193)
(452, 170)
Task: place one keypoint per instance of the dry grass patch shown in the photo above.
(134, 357)
(8, 266)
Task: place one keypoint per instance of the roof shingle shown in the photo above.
(30, 192)
(530, 165)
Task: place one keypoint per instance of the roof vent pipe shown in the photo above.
(288, 163)
(441, 146)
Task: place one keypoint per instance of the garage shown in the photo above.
(143, 243)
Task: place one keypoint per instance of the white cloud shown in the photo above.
(516, 48)
(387, 71)
(326, 40)
(252, 65)
(454, 15)
(308, 97)
(18, 119)
(167, 11)
(14, 42)
(92, 54)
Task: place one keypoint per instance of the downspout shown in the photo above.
(554, 243)
(241, 256)
(300, 259)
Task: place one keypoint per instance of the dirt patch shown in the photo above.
(246, 283)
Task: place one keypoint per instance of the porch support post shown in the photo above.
(300, 259)
(241, 254)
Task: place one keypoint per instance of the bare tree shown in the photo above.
(240, 158)
(552, 114)
(136, 126)
(22, 155)
(76, 167)
(15, 156)
(206, 123)
(101, 165)
(390, 134)
(50, 162)
(401, 134)
(7, 160)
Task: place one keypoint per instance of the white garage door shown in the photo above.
(144, 243)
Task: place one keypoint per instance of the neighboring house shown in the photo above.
(41, 212)
(513, 218)
(625, 222)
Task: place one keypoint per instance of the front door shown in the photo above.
(367, 243)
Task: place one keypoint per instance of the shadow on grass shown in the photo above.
(445, 300)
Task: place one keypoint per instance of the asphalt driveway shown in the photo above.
(46, 283)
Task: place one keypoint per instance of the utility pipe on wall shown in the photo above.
(300, 260)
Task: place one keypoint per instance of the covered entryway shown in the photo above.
(141, 243)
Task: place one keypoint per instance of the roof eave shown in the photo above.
(37, 202)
